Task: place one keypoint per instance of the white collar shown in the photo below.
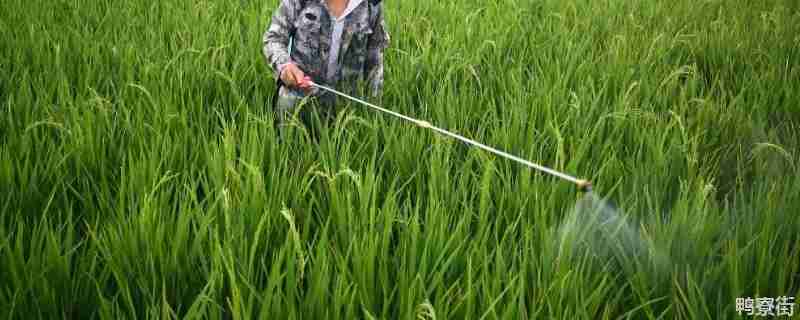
(351, 5)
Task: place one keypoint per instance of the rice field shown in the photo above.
(141, 177)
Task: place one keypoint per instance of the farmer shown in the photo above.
(335, 43)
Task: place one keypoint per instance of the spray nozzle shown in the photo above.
(584, 185)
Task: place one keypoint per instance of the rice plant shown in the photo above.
(141, 177)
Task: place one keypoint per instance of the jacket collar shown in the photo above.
(351, 6)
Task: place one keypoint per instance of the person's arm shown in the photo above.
(378, 41)
(276, 38)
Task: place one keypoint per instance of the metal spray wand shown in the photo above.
(583, 185)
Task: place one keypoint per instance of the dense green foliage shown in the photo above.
(140, 175)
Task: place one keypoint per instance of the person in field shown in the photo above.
(336, 43)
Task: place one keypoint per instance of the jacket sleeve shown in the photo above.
(377, 43)
(276, 38)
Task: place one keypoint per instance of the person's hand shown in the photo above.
(293, 77)
(305, 84)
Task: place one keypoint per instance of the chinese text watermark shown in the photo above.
(765, 306)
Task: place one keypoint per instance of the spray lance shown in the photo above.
(581, 184)
(595, 224)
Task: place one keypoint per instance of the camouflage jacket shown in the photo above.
(361, 53)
